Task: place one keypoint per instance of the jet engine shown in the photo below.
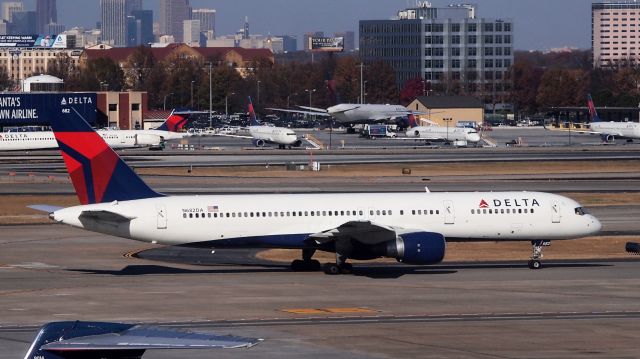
(258, 143)
(607, 138)
(298, 143)
(144, 139)
(417, 248)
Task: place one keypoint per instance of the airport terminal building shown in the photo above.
(446, 46)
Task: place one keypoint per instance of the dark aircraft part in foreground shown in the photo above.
(633, 248)
(102, 340)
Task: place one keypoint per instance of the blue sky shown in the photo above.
(539, 24)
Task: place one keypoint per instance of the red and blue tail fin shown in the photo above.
(175, 122)
(412, 120)
(593, 114)
(252, 114)
(98, 174)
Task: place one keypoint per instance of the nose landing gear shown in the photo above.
(534, 262)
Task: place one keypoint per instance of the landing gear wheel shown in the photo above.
(535, 264)
(331, 268)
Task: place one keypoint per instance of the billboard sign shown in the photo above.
(329, 44)
(35, 109)
(34, 41)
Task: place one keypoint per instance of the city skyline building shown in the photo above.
(144, 20)
(10, 7)
(449, 47)
(207, 19)
(171, 17)
(614, 34)
(24, 22)
(191, 32)
(114, 22)
(46, 13)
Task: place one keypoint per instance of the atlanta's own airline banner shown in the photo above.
(34, 109)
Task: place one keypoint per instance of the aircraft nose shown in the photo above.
(594, 225)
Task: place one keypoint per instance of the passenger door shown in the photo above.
(449, 213)
(555, 212)
(161, 213)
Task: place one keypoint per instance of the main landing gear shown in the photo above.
(306, 264)
(339, 267)
(534, 262)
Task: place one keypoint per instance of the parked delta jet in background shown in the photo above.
(261, 135)
(118, 139)
(410, 227)
(439, 133)
(609, 131)
(349, 113)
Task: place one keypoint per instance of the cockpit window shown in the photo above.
(581, 211)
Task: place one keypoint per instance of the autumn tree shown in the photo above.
(413, 88)
(98, 74)
(526, 80)
(563, 87)
(381, 83)
(62, 67)
(138, 67)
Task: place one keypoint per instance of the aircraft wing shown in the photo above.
(44, 208)
(323, 114)
(106, 216)
(228, 135)
(362, 231)
(117, 340)
(316, 109)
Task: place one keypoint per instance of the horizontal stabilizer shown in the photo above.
(44, 208)
(106, 216)
(117, 340)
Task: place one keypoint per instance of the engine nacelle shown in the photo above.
(258, 142)
(417, 248)
(298, 143)
(144, 139)
(607, 138)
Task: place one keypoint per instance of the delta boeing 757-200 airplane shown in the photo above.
(118, 139)
(410, 227)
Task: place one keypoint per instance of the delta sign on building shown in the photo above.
(35, 109)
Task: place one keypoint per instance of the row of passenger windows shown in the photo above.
(501, 211)
(378, 212)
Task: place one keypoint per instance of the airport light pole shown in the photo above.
(289, 97)
(364, 94)
(258, 97)
(226, 104)
(192, 82)
(164, 102)
(447, 120)
(310, 91)
(361, 83)
(210, 97)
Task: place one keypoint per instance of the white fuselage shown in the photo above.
(285, 220)
(277, 135)
(356, 113)
(444, 133)
(630, 130)
(42, 140)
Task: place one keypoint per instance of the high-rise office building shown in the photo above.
(8, 8)
(133, 5)
(207, 19)
(172, 15)
(614, 37)
(445, 46)
(24, 23)
(145, 19)
(289, 43)
(191, 32)
(46, 13)
(114, 22)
